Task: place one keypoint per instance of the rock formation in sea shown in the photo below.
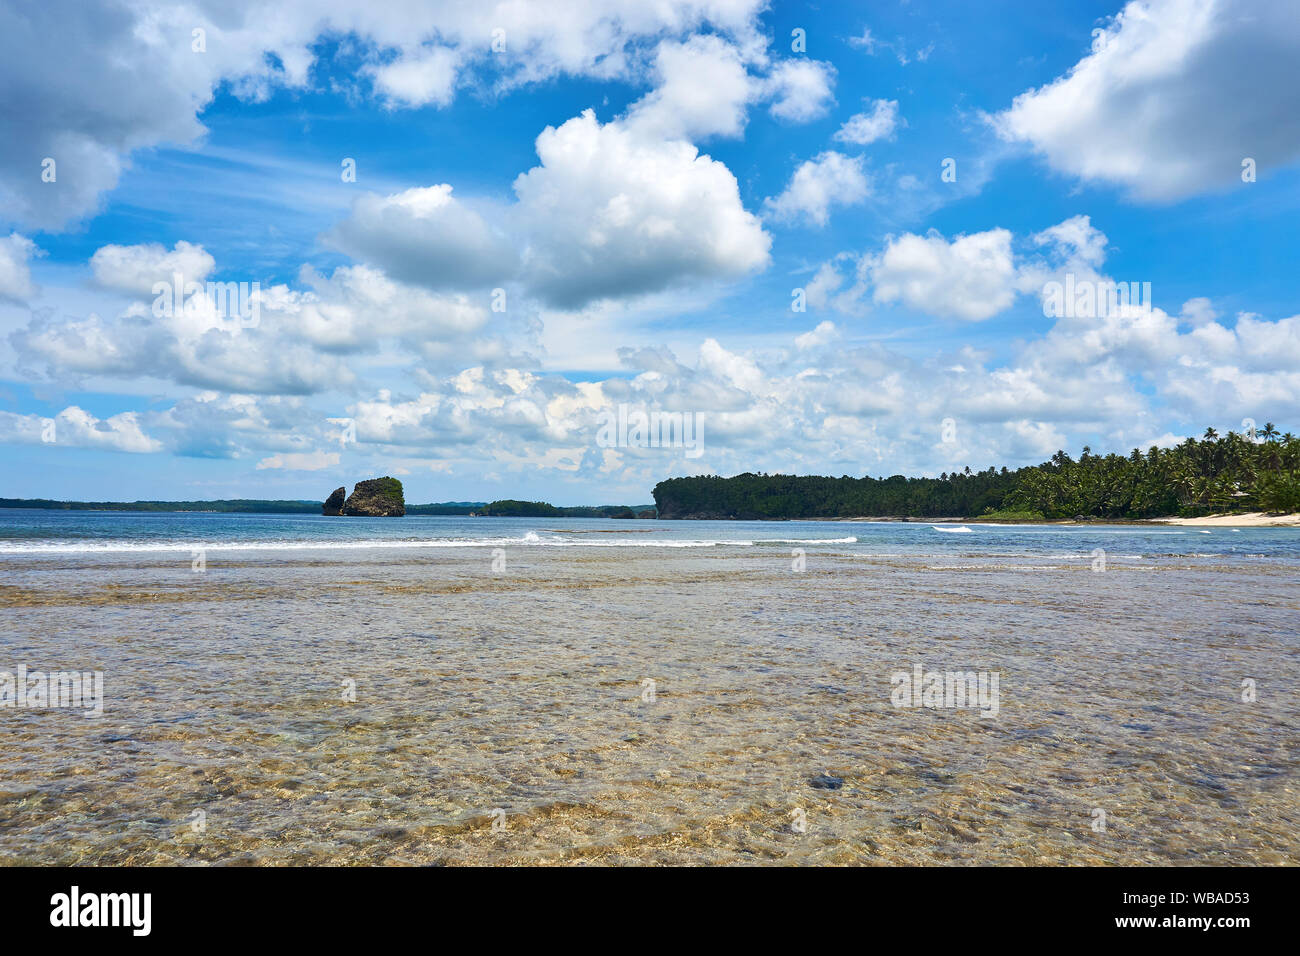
(334, 503)
(376, 498)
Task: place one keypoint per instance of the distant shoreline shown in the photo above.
(1251, 519)
(462, 509)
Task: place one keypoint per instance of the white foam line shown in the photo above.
(1022, 530)
(530, 540)
(174, 546)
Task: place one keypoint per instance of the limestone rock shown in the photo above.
(334, 503)
(376, 498)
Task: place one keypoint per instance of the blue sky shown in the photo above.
(620, 207)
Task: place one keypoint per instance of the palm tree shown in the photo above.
(1269, 432)
(1184, 483)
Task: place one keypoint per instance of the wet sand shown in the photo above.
(505, 718)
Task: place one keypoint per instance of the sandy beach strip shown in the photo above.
(1253, 519)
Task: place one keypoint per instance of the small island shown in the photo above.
(372, 498)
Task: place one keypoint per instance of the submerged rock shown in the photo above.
(376, 498)
(824, 781)
(334, 503)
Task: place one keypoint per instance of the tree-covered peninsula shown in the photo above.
(1217, 474)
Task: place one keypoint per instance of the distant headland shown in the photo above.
(1218, 475)
(506, 508)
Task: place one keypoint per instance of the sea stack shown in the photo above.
(376, 498)
(334, 503)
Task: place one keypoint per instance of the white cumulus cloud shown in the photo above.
(142, 75)
(427, 237)
(802, 90)
(830, 179)
(867, 127)
(610, 214)
(137, 268)
(74, 427)
(16, 253)
(1174, 96)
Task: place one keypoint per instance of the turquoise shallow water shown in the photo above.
(31, 533)
(453, 690)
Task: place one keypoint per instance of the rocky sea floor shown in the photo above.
(643, 706)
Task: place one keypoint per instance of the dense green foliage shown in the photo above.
(789, 496)
(1214, 475)
(388, 487)
(446, 508)
(238, 505)
(1006, 514)
(510, 508)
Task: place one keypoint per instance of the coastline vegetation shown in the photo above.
(230, 506)
(225, 506)
(1218, 474)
